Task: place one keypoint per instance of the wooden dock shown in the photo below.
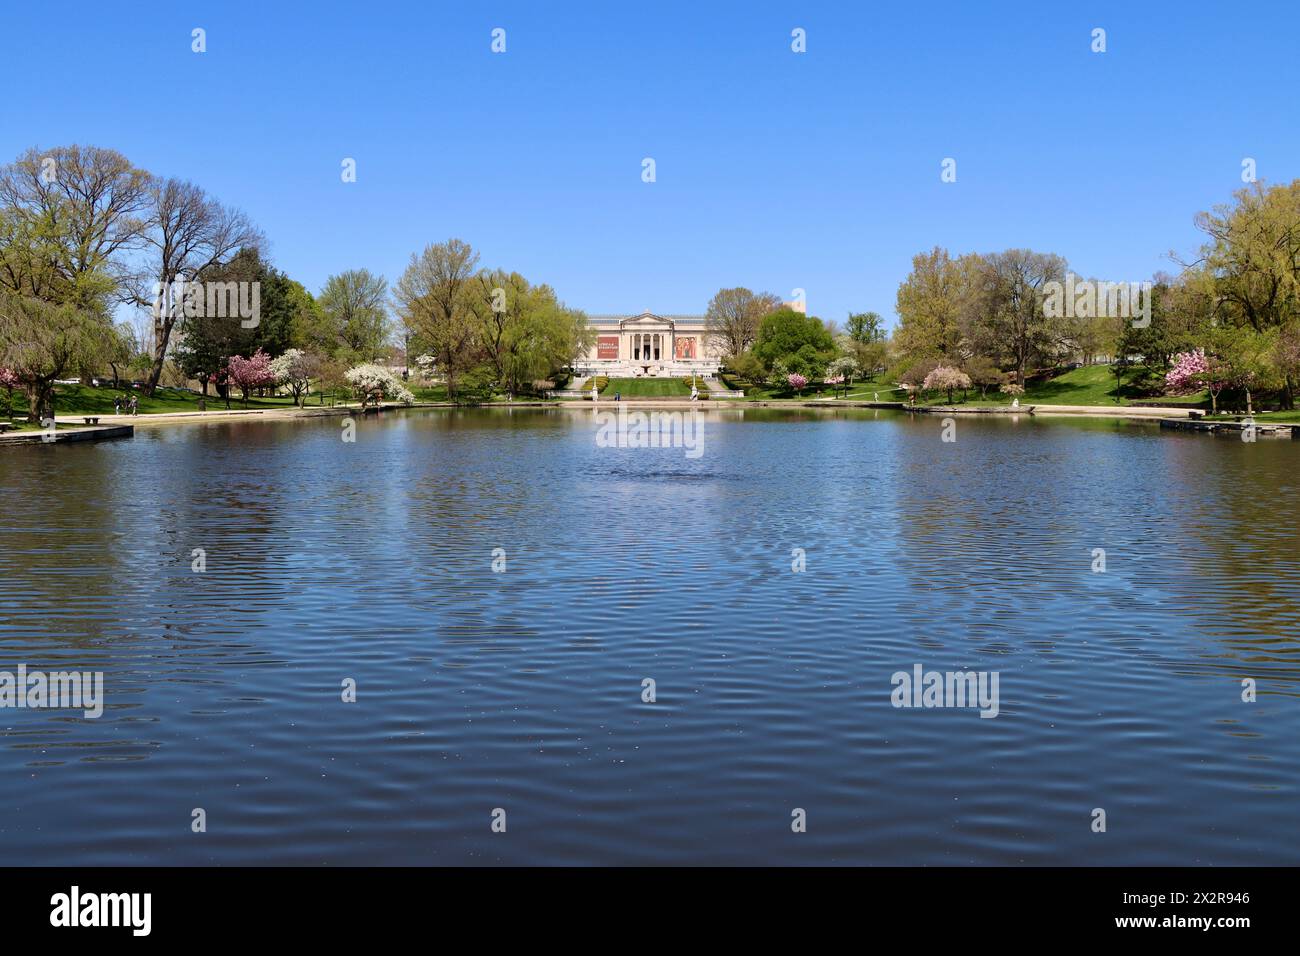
(1271, 429)
(63, 435)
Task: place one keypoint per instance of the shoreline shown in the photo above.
(112, 425)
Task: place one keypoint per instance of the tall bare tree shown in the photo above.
(1006, 314)
(188, 233)
(732, 317)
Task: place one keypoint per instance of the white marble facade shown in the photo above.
(649, 345)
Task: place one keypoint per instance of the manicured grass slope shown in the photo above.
(1090, 385)
(647, 388)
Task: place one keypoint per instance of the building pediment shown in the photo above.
(646, 321)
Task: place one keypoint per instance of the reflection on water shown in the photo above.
(522, 689)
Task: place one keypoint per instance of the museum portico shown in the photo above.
(649, 345)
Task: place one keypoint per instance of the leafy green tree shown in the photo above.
(1246, 360)
(984, 373)
(354, 307)
(746, 367)
(802, 343)
(526, 334)
(1250, 261)
(1287, 359)
(70, 219)
(434, 301)
(41, 342)
(865, 327)
(285, 308)
(930, 304)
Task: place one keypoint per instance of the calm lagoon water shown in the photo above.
(522, 690)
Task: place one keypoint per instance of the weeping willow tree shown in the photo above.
(41, 342)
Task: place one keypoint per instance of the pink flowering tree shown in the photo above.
(247, 374)
(1193, 370)
(1185, 374)
(797, 382)
(9, 381)
(947, 378)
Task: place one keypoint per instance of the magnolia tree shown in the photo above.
(1187, 368)
(9, 381)
(843, 371)
(796, 381)
(1193, 370)
(247, 374)
(946, 378)
(294, 370)
(374, 383)
(1012, 389)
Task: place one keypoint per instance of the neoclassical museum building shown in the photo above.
(649, 345)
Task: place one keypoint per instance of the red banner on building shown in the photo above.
(607, 347)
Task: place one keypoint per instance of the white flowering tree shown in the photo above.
(842, 372)
(946, 378)
(294, 370)
(374, 383)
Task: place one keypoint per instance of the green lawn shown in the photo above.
(432, 393)
(85, 400)
(1090, 385)
(647, 388)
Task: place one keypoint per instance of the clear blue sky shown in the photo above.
(775, 170)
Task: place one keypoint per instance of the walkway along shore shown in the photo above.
(122, 426)
(64, 435)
